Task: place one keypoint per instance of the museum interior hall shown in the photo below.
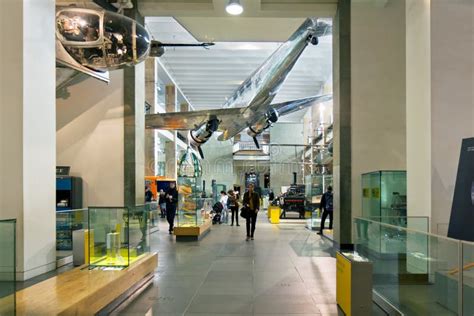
(237, 157)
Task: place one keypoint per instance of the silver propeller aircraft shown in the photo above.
(250, 106)
(92, 42)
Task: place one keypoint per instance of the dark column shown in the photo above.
(342, 122)
(134, 127)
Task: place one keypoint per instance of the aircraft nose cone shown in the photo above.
(142, 42)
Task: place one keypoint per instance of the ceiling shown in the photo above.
(208, 76)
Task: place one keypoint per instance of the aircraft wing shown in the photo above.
(288, 107)
(231, 120)
(193, 119)
(283, 108)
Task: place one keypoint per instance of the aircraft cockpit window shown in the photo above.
(76, 26)
(118, 37)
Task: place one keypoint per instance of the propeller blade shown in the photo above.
(200, 152)
(255, 140)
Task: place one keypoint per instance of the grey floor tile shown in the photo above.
(284, 304)
(276, 274)
(221, 304)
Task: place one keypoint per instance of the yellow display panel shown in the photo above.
(343, 283)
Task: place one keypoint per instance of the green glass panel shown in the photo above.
(7, 267)
(468, 278)
(414, 271)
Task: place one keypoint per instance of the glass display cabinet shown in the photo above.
(117, 236)
(315, 186)
(384, 195)
(7, 267)
(67, 222)
(190, 203)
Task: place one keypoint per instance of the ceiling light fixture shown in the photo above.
(234, 7)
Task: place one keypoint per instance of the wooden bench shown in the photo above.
(82, 291)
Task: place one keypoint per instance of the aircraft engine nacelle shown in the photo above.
(265, 122)
(201, 134)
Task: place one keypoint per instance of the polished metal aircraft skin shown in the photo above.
(96, 41)
(250, 106)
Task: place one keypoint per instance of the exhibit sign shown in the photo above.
(343, 283)
(462, 212)
(353, 283)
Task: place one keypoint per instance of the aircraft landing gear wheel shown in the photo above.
(314, 40)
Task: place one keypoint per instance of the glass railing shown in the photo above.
(417, 272)
(419, 223)
(118, 236)
(314, 222)
(468, 278)
(66, 222)
(7, 266)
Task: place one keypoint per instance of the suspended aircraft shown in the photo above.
(93, 42)
(250, 107)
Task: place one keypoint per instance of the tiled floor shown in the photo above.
(286, 270)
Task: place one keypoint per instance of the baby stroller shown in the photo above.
(217, 211)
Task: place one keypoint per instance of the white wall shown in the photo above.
(378, 91)
(90, 138)
(27, 133)
(218, 163)
(452, 98)
(281, 172)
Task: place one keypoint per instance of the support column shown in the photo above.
(170, 146)
(342, 125)
(418, 105)
(134, 128)
(150, 98)
(27, 131)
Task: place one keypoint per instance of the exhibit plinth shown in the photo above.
(192, 233)
(86, 292)
(274, 214)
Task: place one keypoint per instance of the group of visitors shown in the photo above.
(230, 202)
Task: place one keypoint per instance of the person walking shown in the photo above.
(223, 200)
(162, 203)
(148, 200)
(252, 202)
(171, 202)
(233, 205)
(327, 207)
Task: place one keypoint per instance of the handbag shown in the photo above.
(245, 212)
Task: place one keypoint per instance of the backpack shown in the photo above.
(329, 204)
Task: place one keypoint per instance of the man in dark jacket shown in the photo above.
(171, 203)
(252, 202)
(327, 207)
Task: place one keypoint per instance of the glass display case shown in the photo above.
(118, 236)
(384, 194)
(67, 222)
(192, 208)
(7, 266)
(315, 186)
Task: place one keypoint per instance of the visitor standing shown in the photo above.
(327, 207)
(233, 205)
(162, 202)
(223, 201)
(171, 202)
(251, 201)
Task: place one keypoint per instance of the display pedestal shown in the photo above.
(274, 214)
(86, 292)
(192, 233)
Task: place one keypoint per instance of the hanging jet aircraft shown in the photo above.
(250, 106)
(96, 41)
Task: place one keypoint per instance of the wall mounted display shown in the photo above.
(462, 212)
